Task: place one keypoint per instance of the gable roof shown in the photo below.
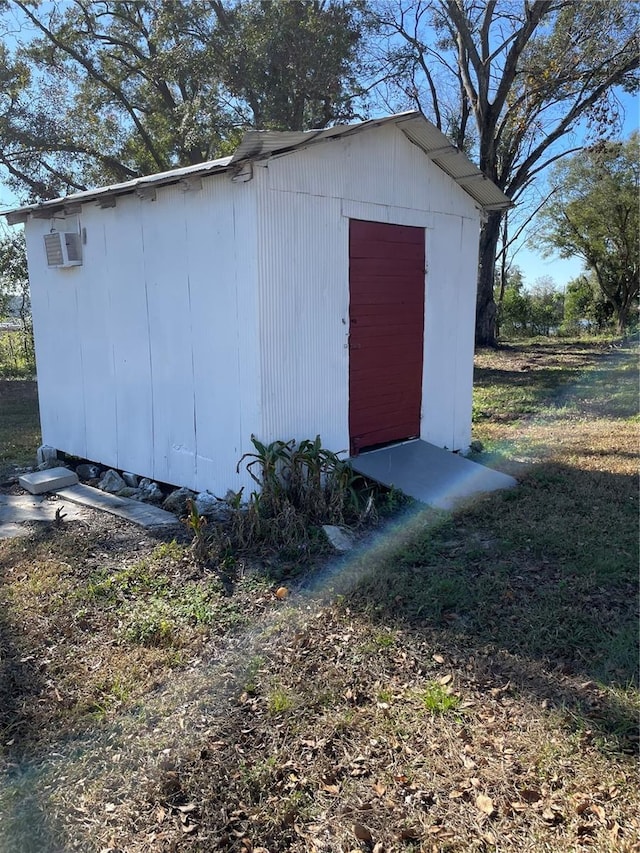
(262, 144)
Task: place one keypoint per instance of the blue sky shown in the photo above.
(532, 264)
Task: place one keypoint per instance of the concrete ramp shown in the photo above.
(429, 474)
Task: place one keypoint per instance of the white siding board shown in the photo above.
(167, 293)
(210, 296)
(58, 353)
(381, 167)
(465, 332)
(386, 213)
(304, 313)
(94, 331)
(246, 265)
(129, 337)
(221, 262)
(447, 376)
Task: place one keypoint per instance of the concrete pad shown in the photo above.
(40, 482)
(16, 509)
(146, 515)
(430, 474)
(12, 531)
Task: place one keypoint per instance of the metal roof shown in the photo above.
(261, 144)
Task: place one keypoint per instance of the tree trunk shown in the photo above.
(485, 304)
(621, 314)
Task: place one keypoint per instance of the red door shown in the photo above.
(386, 332)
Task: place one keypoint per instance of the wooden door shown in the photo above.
(386, 332)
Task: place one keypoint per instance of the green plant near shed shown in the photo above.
(314, 480)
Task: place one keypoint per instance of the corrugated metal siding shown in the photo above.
(54, 303)
(381, 167)
(147, 354)
(378, 176)
(465, 333)
(224, 313)
(303, 245)
(452, 262)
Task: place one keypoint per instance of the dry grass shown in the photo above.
(462, 682)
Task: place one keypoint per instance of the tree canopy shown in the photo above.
(95, 91)
(585, 307)
(105, 91)
(594, 215)
(508, 81)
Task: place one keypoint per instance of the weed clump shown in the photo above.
(302, 486)
(306, 477)
(438, 700)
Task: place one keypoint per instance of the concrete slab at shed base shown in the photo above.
(15, 509)
(40, 482)
(430, 474)
(136, 512)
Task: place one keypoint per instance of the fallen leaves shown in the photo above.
(339, 774)
(379, 788)
(362, 833)
(485, 804)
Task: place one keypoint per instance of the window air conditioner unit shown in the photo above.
(63, 248)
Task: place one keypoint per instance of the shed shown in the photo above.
(318, 282)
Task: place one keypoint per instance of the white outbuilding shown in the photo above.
(318, 282)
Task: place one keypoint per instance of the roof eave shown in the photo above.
(259, 145)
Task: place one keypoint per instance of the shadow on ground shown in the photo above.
(28, 680)
(525, 582)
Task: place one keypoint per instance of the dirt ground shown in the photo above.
(460, 682)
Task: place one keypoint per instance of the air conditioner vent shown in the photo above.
(63, 248)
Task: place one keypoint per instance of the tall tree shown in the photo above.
(105, 91)
(585, 306)
(594, 215)
(292, 63)
(508, 81)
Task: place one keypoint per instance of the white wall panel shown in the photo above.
(452, 251)
(465, 332)
(167, 292)
(148, 352)
(54, 299)
(129, 336)
(95, 331)
(386, 213)
(221, 262)
(304, 310)
(381, 167)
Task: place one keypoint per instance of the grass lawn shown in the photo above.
(463, 681)
(19, 424)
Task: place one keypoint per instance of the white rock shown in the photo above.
(112, 482)
(339, 538)
(46, 453)
(209, 506)
(177, 501)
